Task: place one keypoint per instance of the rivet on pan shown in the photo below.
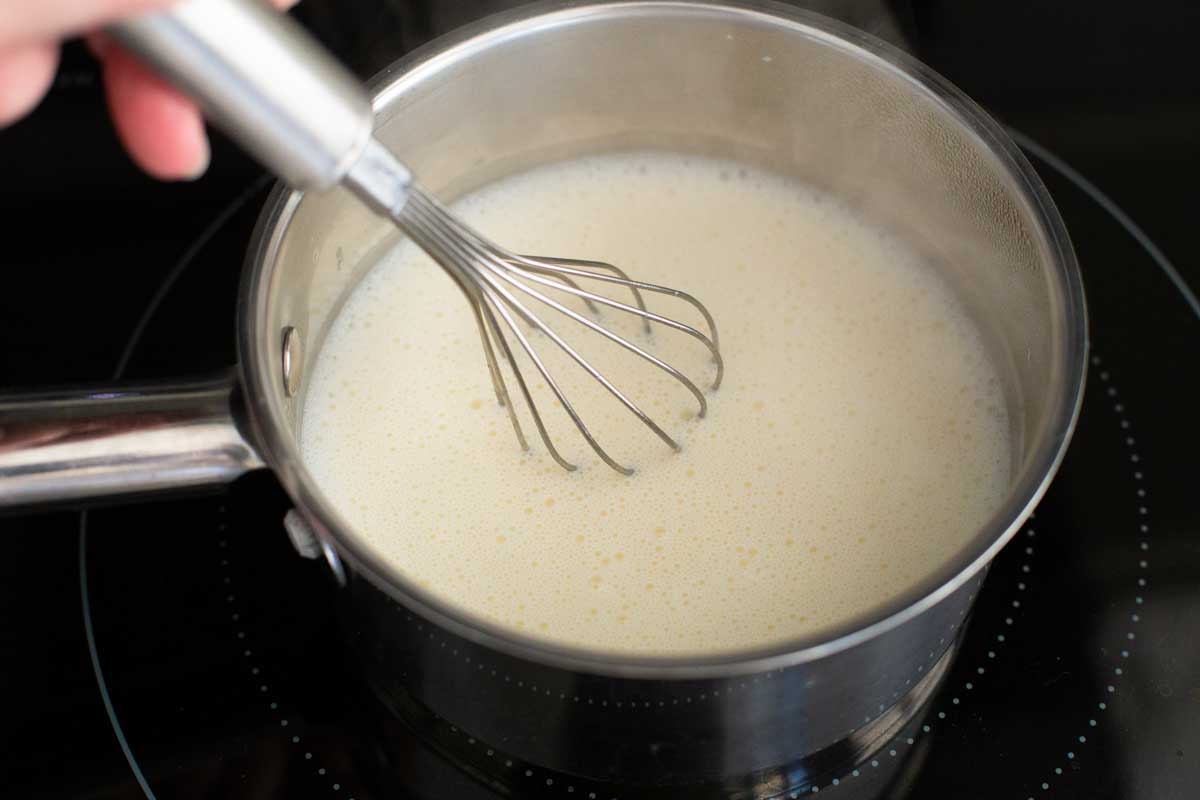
(303, 539)
(291, 360)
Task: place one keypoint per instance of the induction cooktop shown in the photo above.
(179, 648)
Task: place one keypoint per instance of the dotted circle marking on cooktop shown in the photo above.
(186, 259)
(1125, 648)
(435, 634)
(943, 708)
(1030, 533)
(270, 699)
(273, 703)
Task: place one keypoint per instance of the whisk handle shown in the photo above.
(264, 80)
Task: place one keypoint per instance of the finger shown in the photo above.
(25, 74)
(160, 127)
(56, 19)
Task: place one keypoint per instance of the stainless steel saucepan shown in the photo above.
(765, 84)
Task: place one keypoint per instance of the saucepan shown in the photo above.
(765, 84)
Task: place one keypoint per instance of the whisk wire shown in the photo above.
(488, 276)
(494, 369)
(446, 240)
(558, 392)
(565, 280)
(554, 266)
(537, 324)
(623, 342)
(710, 341)
(489, 312)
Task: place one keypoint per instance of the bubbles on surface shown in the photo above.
(858, 440)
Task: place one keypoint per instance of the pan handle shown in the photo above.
(88, 444)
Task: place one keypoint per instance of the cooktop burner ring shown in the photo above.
(956, 702)
(185, 260)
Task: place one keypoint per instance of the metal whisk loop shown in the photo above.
(647, 316)
(558, 392)
(628, 345)
(489, 312)
(711, 341)
(494, 369)
(491, 278)
(459, 251)
(553, 266)
(537, 324)
(434, 232)
(564, 279)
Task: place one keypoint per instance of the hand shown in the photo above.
(161, 128)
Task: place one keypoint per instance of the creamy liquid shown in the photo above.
(857, 442)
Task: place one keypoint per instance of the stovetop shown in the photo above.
(180, 649)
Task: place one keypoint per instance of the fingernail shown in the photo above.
(203, 156)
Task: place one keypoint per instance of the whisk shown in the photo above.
(276, 91)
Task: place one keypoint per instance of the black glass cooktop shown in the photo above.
(181, 649)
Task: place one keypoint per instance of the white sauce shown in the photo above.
(858, 441)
